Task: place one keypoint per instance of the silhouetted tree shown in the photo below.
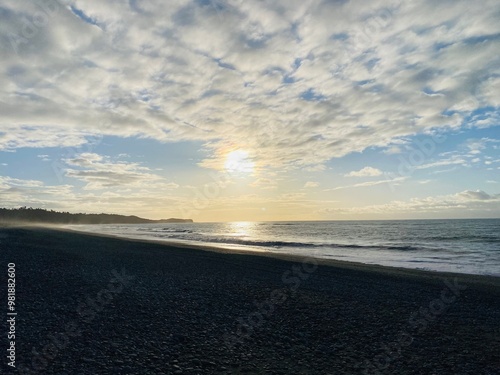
(39, 215)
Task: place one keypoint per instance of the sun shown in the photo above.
(239, 161)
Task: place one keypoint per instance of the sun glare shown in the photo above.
(238, 161)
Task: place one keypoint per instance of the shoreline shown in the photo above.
(489, 280)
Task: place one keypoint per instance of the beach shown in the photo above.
(89, 304)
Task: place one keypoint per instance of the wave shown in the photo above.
(286, 244)
(381, 247)
(484, 238)
(279, 244)
(163, 230)
(175, 230)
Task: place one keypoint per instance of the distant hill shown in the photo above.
(38, 215)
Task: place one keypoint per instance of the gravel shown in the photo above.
(187, 311)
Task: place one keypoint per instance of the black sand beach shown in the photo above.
(97, 305)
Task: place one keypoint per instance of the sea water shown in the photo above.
(464, 246)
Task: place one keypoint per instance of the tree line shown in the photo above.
(40, 215)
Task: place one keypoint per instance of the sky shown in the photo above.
(232, 110)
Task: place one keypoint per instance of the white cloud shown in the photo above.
(44, 157)
(18, 192)
(365, 172)
(311, 184)
(264, 183)
(453, 160)
(392, 150)
(149, 200)
(390, 182)
(472, 203)
(477, 195)
(99, 173)
(477, 146)
(244, 74)
(441, 171)
(468, 154)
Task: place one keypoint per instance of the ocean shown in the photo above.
(463, 246)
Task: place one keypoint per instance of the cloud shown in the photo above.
(15, 182)
(264, 183)
(44, 157)
(468, 153)
(14, 137)
(18, 192)
(365, 172)
(99, 173)
(108, 186)
(453, 160)
(311, 184)
(295, 83)
(477, 146)
(477, 195)
(150, 200)
(472, 203)
(391, 182)
(392, 150)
